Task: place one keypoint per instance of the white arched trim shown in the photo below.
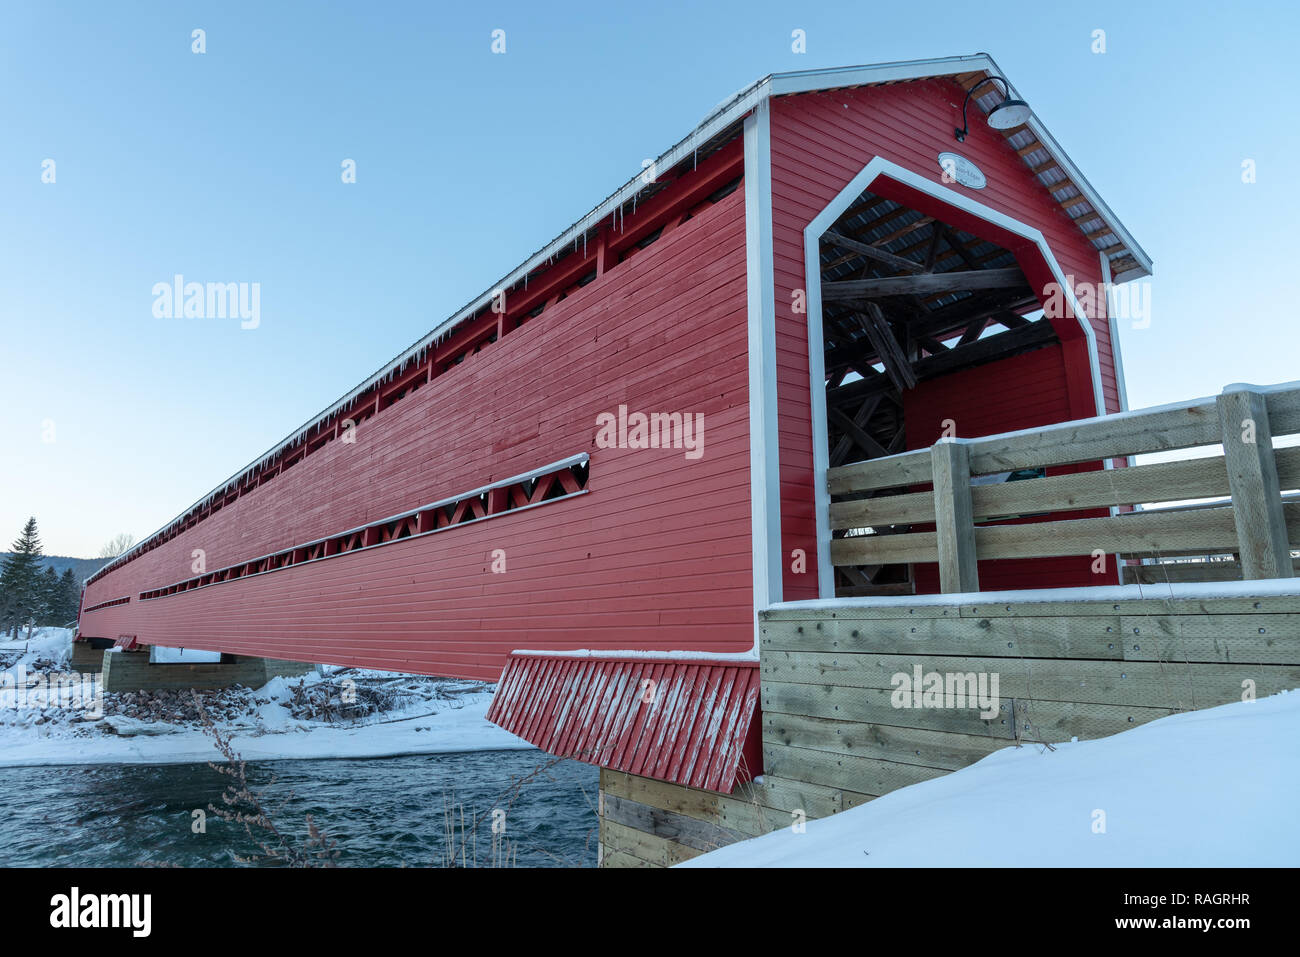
(879, 167)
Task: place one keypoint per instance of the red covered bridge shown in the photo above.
(822, 272)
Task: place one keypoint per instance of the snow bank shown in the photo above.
(465, 729)
(1212, 788)
(430, 716)
(451, 730)
(47, 644)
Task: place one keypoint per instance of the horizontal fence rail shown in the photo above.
(878, 503)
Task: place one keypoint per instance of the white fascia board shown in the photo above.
(1035, 126)
(1129, 275)
(1121, 386)
(807, 81)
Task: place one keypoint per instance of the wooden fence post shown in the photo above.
(1252, 475)
(953, 514)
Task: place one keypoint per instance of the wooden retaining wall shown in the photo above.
(649, 823)
(1065, 669)
(833, 737)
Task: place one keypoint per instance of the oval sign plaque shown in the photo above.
(958, 169)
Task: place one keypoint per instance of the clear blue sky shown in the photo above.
(226, 167)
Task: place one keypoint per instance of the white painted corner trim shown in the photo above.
(879, 167)
(764, 445)
(1121, 386)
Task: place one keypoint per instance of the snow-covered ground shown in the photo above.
(1212, 788)
(303, 717)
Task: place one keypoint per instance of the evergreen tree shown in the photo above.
(69, 597)
(50, 598)
(8, 609)
(20, 578)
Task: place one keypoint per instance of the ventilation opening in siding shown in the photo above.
(560, 480)
(484, 327)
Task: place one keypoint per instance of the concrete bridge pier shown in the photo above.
(88, 655)
(133, 671)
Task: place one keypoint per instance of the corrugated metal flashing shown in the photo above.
(688, 722)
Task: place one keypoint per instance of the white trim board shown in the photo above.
(764, 465)
(1121, 387)
(816, 359)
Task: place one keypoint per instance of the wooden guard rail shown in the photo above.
(1257, 524)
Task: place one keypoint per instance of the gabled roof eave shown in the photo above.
(807, 81)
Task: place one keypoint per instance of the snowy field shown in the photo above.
(1212, 788)
(300, 718)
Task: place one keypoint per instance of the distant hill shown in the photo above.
(82, 568)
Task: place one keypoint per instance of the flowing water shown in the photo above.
(384, 812)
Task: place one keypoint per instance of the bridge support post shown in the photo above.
(1262, 538)
(954, 517)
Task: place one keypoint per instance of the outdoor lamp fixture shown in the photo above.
(1007, 115)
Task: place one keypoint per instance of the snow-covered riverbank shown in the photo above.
(1211, 788)
(345, 713)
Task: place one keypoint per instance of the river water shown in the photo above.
(384, 812)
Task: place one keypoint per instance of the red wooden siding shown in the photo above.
(689, 722)
(655, 556)
(1017, 393)
(1021, 392)
(820, 141)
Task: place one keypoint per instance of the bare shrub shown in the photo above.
(244, 806)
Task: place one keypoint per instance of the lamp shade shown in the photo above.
(1009, 114)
